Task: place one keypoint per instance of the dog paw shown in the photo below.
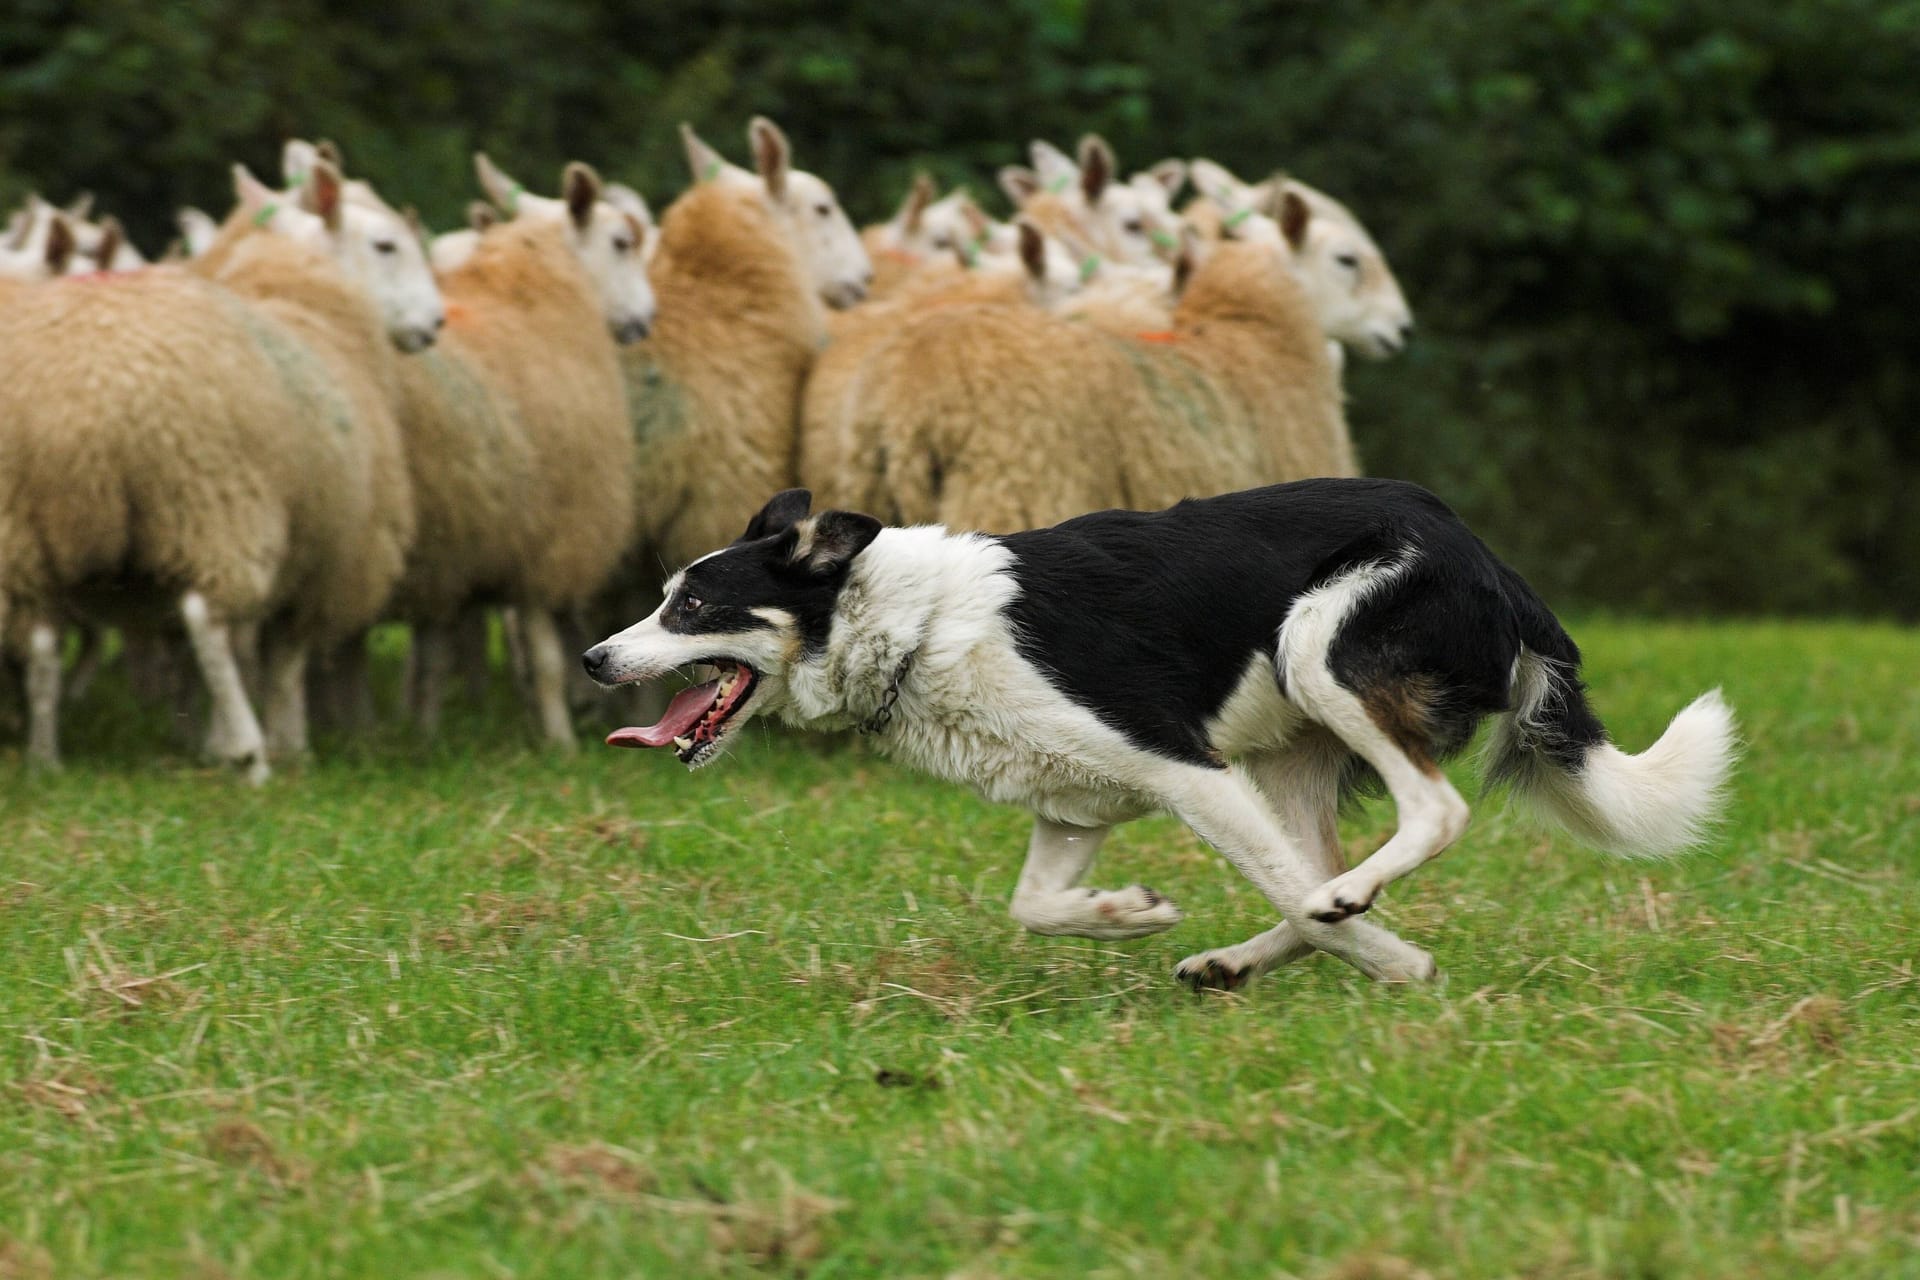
(1208, 971)
(1132, 912)
(1338, 899)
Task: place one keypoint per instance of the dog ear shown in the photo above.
(783, 510)
(827, 544)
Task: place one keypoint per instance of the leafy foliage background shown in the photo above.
(1664, 253)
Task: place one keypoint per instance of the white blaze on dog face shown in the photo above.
(751, 610)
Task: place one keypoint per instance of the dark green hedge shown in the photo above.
(1664, 253)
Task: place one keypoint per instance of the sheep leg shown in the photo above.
(549, 677)
(285, 674)
(432, 652)
(470, 652)
(86, 665)
(518, 662)
(43, 696)
(1048, 899)
(234, 733)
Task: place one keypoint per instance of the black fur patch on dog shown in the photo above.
(1149, 619)
(760, 570)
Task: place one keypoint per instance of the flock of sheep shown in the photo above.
(316, 419)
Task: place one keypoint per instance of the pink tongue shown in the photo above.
(682, 714)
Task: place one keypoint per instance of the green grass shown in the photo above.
(474, 1011)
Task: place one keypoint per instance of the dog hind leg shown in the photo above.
(1049, 901)
(1227, 811)
(1302, 784)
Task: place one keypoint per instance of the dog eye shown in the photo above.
(692, 603)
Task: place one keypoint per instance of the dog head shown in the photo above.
(751, 611)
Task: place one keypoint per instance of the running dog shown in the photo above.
(1241, 661)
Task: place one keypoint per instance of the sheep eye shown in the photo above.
(385, 246)
(622, 245)
(1348, 261)
(824, 210)
(1134, 226)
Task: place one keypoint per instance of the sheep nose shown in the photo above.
(595, 660)
(1406, 333)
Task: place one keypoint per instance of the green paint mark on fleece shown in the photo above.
(1179, 388)
(656, 404)
(303, 374)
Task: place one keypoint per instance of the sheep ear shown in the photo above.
(197, 229)
(323, 194)
(481, 215)
(1096, 166)
(1052, 166)
(80, 206)
(919, 196)
(771, 155)
(1033, 250)
(783, 511)
(580, 186)
(977, 220)
(1294, 216)
(176, 250)
(1170, 174)
(1189, 259)
(826, 544)
(249, 191)
(60, 245)
(329, 150)
(1215, 183)
(19, 224)
(1019, 182)
(411, 216)
(112, 234)
(502, 190)
(703, 160)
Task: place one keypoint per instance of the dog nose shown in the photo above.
(594, 659)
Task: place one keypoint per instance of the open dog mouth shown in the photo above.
(696, 720)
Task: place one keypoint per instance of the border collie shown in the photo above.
(1241, 661)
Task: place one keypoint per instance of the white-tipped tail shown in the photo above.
(1652, 805)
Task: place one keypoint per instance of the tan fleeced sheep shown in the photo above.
(999, 418)
(217, 451)
(746, 265)
(519, 448)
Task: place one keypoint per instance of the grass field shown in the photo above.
(474, 1011)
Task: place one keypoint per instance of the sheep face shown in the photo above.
(611, 245)
(378, 250)
(1353, 291)
(609, 227)
(819, 228)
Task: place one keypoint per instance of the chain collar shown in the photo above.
(878, 721)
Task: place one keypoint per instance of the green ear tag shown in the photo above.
(513, 198)
(711, 172)
(1234, 220)
(1089, 265)
(1059, 184)
(1162, 239)
(265, 215)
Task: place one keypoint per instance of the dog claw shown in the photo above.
(1210, 975)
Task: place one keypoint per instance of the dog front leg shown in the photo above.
(1049, 900)
(1226, 811)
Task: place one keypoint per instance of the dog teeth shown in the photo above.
(683, 744)
(727, 682)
